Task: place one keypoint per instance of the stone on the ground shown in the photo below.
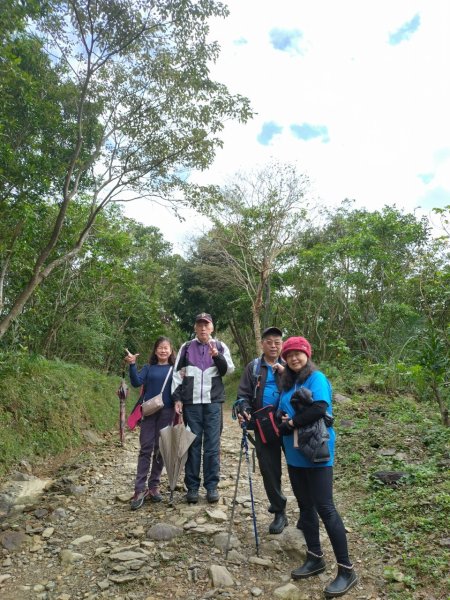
(13, 540)
(290, 592)
(220, 576)
(163, 531)
(67, 557)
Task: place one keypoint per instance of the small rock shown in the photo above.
(4, 577)
(217, 515)
(263, 562)
(12, 540)
(256, 592)
(67, 557)
(289, 592)
(122, 578)
(220, 576)
(163, 532)
(82, 540)
(48, 532)
(128, 555)
(103, 585)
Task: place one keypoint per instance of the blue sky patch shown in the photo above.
(405, 31)
(240, 42)
(426, 177)
(267, 132)
(436, 198)
(286, 40)
(309, 132)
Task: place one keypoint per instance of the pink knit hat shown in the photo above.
(296, 343)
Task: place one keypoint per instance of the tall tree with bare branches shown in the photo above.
(260, 218)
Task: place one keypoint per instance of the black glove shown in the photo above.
(285, 429)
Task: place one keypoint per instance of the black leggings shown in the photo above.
(313, 488)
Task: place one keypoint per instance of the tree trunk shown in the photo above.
(442, 407)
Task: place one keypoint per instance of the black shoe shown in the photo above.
(345, 579)
(279, 523)
(313, 565)
(212, 495)
(192, 496)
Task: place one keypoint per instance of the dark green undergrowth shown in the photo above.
(45, 405)
(408, 521)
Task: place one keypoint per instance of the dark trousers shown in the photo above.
(313, 488)
(149, 451)
(269, 460)
(205, 421)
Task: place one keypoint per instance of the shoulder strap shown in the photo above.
(256, 367)
(256, 376)
(165, 380)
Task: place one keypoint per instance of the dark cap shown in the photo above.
(204, 317)
(271, 331)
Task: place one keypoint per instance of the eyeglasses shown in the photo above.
(277, 343)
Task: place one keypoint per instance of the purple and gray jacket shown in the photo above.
(197, 377)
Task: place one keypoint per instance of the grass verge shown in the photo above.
(45, 406)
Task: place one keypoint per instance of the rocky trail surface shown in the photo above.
(67, 533)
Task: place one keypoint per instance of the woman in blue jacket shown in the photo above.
(152, 377)
(312, 483)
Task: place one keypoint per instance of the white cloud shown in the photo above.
(384, 106)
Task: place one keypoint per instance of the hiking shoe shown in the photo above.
(313, 565)
(192, 496)
(346, 578)
(212, 496)
(138, 499)
(155, 495)
(279, 523)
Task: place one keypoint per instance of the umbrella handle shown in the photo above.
(178, 419)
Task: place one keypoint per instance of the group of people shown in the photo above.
(196, 394)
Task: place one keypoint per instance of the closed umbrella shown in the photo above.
(122, 394)
(174, 442)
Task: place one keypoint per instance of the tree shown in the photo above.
(203, 287)
(136, 109)
(257, 221)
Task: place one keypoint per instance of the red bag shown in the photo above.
(135, 416)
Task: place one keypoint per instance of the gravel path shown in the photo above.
(80, 539)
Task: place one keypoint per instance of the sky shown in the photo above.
(355, 93)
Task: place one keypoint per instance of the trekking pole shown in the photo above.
(244, 444)
(233, 506)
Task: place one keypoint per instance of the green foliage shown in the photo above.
(406, 521)
(45, 406)
(109, 99)
(117, 293)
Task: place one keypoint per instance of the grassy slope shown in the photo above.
(45, 405)
(407, 522)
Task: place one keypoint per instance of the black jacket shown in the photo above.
(251, 385)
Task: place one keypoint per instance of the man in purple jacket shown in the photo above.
(197, 388)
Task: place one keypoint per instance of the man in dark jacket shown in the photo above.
(260, 386)
(198, 392)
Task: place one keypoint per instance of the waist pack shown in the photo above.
(264, 423)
